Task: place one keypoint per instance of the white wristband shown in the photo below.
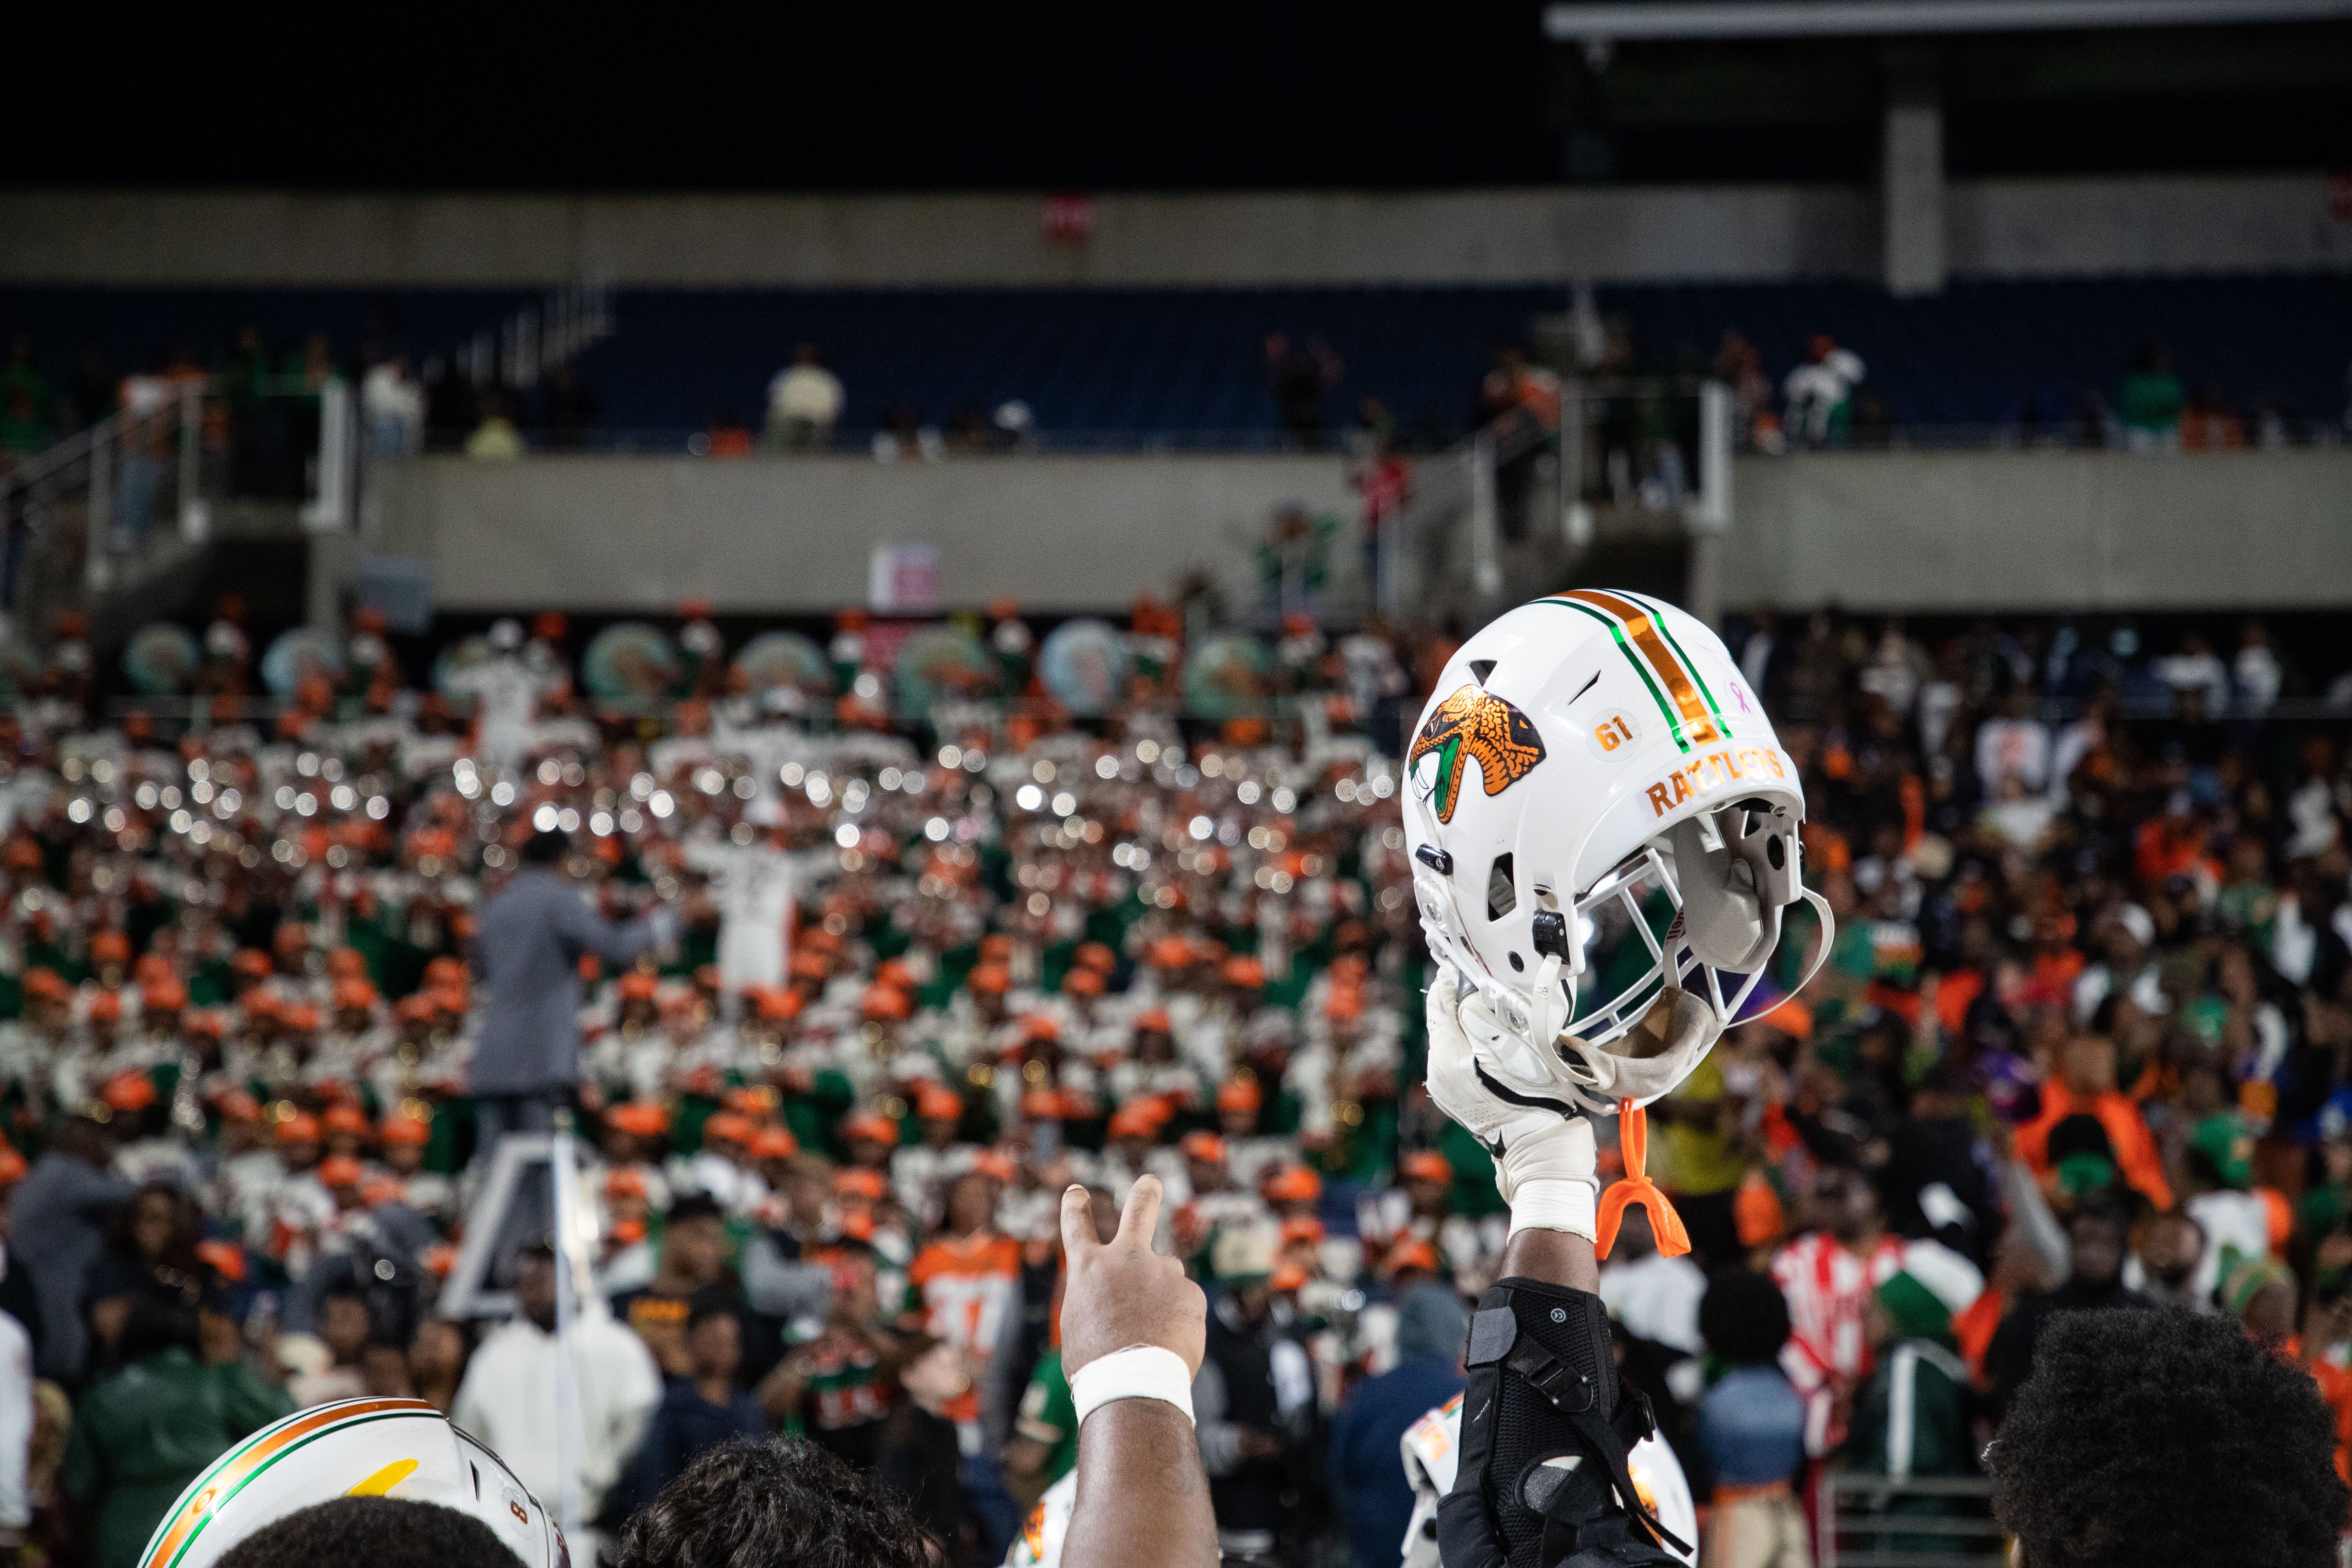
(1546, 1205)
(1138, 1372)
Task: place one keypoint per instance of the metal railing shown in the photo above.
(132, 499)
(80, 517)
(115, 505)
(536, 338)
(931, 445)
(1552, 476)
(1918, 1521)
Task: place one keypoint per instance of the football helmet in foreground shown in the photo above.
(1581, 756)
(399, 1448)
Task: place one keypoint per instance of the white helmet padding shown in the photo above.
(1733, 888)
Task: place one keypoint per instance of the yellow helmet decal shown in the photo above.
(384, 1480)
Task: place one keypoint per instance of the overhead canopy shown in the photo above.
(1589, 21)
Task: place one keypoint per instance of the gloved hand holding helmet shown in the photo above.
(1584, 760)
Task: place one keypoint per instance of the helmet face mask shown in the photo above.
(1627, 785)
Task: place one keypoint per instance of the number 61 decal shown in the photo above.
(1614, 733)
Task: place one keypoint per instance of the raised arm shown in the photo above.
(1541, 1374)
(615, 942)
(1142, 1500)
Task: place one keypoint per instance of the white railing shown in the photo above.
(139, 475)
(1455, 510)
(527, 345)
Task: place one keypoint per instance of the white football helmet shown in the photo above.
(1578, 754)
(399, 1448)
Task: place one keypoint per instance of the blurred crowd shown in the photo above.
(857, 998)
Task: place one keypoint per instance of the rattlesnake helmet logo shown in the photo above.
(1474, 722)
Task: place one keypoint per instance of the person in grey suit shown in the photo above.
(57, 1228)
(528, 948)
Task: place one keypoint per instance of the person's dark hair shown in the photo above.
(187, 1229)
(2106, 1208)
(2165, 1439)
(377, 1531)
(79, 1137)
(1743, 1316)
(1944, 1078)
(710, 1301)
(2079, 1134)
(694, 1206)
(546, 848)
(1847, 1162)
(777, 1501)
(161, 1319)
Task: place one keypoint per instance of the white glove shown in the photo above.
(1544, 1158)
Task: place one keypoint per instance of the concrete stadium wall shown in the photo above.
(1912, 531)
(781, 534)
(2019, 531)
(2047, 228)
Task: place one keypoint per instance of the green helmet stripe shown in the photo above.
(1674, 722)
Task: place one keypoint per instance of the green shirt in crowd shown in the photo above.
(141, 1435)
(1049, 1415)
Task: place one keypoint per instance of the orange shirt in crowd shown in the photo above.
(965, 1286)
(1974, 1330)
(2134, 1147)
(2335, 1387)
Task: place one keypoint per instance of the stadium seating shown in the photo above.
(1184, 365)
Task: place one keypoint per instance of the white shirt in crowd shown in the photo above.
(2202, 669)
(1815, 390)
(508, 1401)
(807, 391)
(15, 1422)
(1656, 1298)
(2014, 747)
(394, 408)
(753, 887)
(2258, 677)
(2234, 1223)
(509, 690)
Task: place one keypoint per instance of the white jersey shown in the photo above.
(1432, 1447)
(16, 1419)
(507, 689)
(753, 887)
(1039, 1544)
(507, 692)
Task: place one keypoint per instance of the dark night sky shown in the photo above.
(786, 97)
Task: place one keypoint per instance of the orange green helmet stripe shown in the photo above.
(234, 1471)
(1666, 630)
(1667, 670)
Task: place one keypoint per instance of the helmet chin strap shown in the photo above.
(1550, 1009)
